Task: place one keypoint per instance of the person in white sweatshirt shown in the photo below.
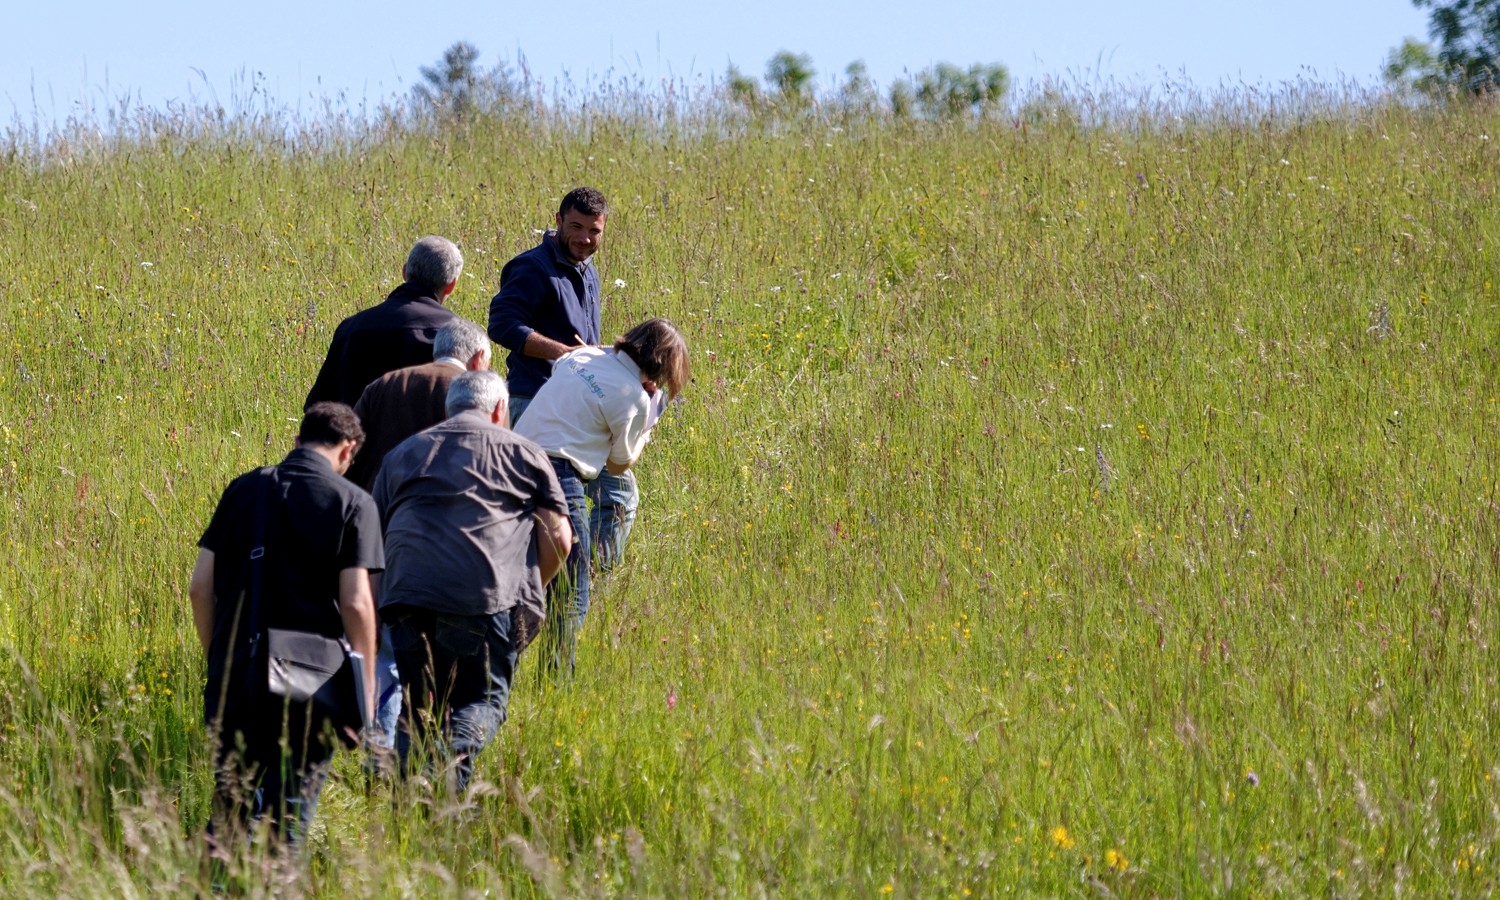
(595, 413)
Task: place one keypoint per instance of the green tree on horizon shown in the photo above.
(1467, 52)
(942, 91)
(946, 91)
(455, 86)
(790, 75)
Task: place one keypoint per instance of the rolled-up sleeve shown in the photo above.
(629, 433)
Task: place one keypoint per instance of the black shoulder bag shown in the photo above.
(303, 668)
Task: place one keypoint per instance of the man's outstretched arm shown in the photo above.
(542, 347)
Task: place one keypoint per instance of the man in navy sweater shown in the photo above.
(548, 304)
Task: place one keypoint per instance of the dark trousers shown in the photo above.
(456, 674)
(270, 767)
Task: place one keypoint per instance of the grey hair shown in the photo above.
(483, 390)
(433, 262)
(459, 339)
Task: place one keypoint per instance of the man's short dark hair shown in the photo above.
(330, 424)
(586, 200)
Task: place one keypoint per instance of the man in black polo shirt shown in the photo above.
(320, 542)
(398, 332)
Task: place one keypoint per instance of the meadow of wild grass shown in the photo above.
(1060, 506)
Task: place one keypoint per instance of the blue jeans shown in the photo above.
(568, 594)
(387, 690)
(456, 674)
(615, 498)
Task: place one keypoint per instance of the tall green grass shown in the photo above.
(1085, 502)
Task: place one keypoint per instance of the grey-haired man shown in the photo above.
(401, 403)
(475, 527)
(392, 408)
(396, 333)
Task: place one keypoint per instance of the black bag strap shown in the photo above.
(258, 547)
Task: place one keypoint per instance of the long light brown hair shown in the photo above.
(660, 350)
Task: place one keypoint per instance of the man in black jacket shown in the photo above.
(398, 332)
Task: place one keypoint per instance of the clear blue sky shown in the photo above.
(68, 55)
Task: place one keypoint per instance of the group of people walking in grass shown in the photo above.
(379, 584)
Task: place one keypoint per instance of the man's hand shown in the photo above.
(540, 346)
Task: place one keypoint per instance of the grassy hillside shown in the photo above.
(1055, 509)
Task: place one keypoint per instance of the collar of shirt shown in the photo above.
(451, 361)
(306, 456)
(406, 292)
(625, 360)
(550, 239)
(473, 416)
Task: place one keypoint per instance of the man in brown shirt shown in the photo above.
(391, 409)
(399, 404)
